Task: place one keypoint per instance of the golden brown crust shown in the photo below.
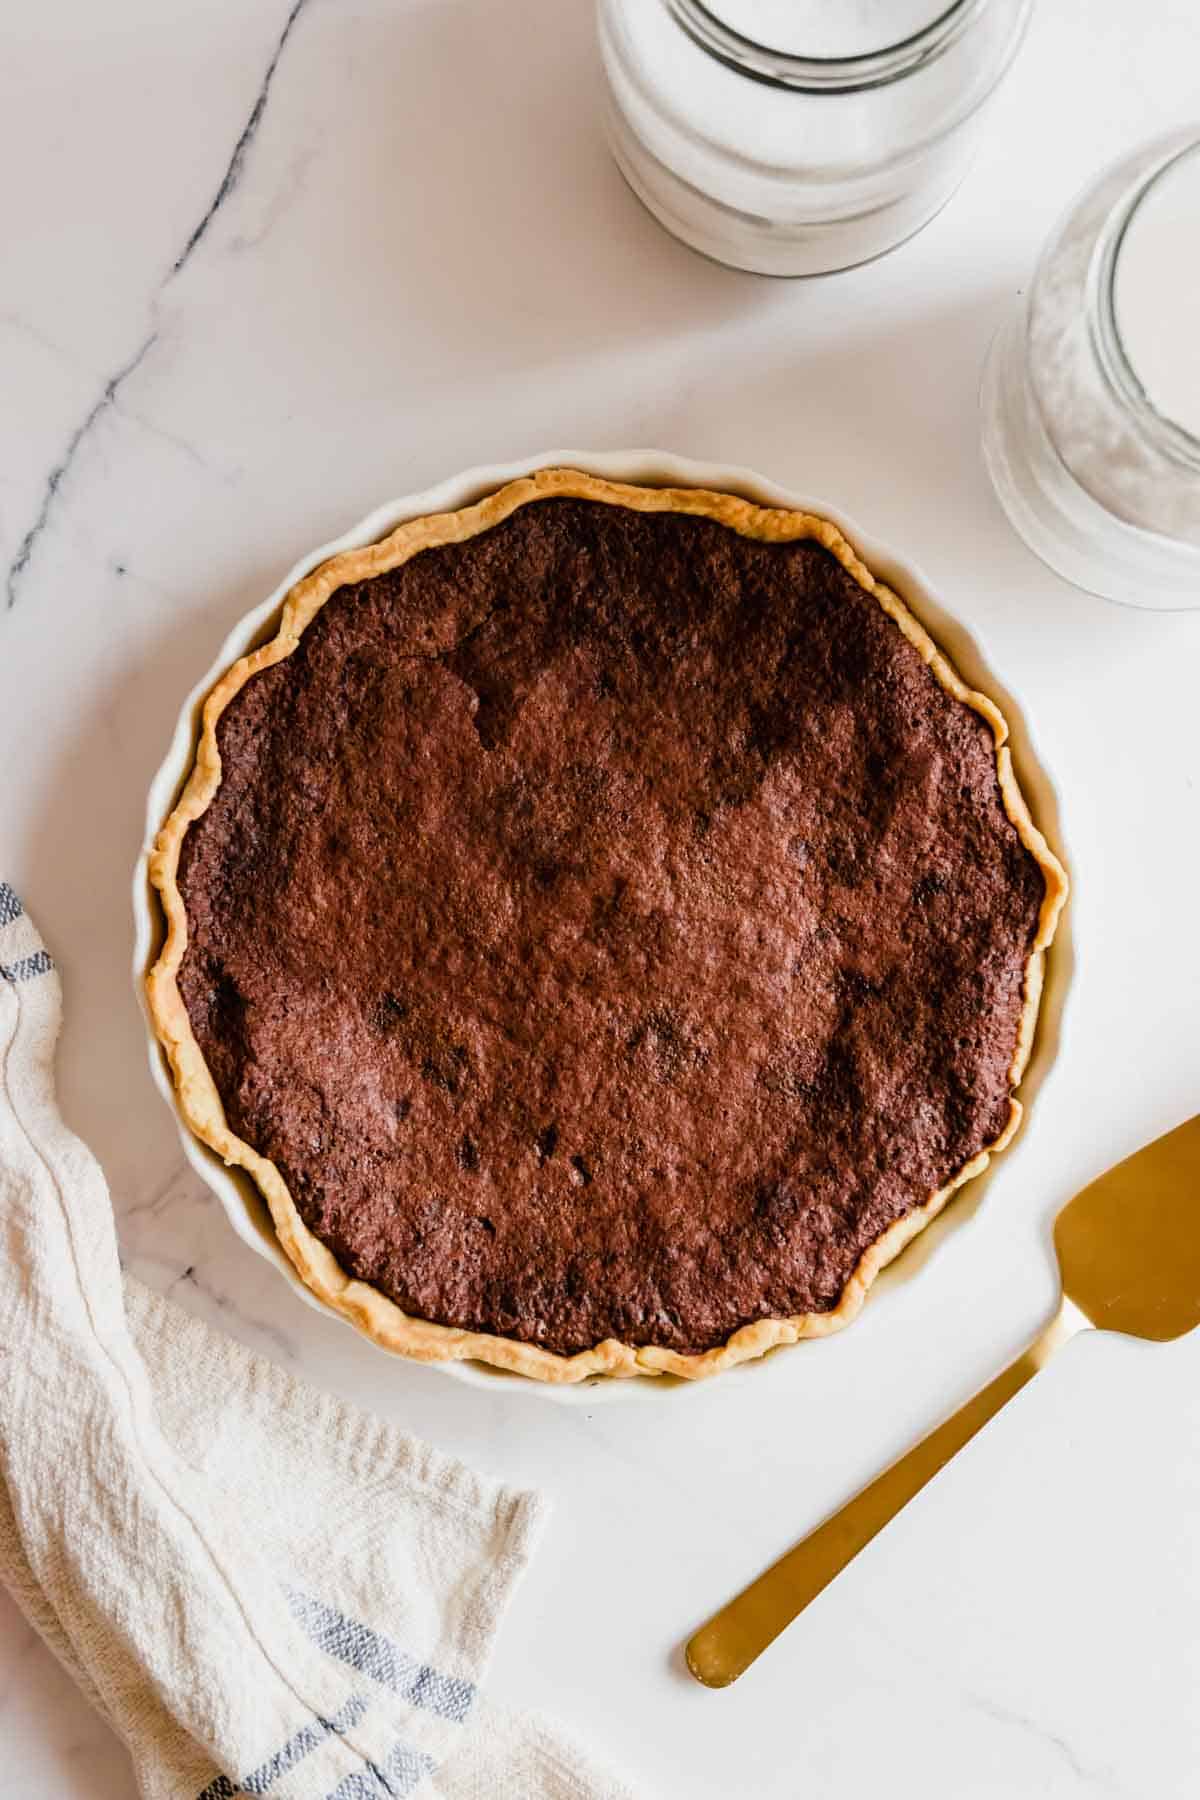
(200, 1104)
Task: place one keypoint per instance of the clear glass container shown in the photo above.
(1091, 394)
(794, 137)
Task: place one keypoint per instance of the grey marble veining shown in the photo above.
(116, 381)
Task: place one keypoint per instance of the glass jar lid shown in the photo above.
(814, 47)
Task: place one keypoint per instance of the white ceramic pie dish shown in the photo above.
(244, 1206)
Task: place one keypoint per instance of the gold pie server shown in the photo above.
(1129, 1254)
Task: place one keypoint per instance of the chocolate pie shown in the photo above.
(605, 927)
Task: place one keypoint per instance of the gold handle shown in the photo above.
(725, 1647)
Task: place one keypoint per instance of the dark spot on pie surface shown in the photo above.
(927, 886)
(392, 1012)
(468, 1153)
(611, 830)
(446, 1067)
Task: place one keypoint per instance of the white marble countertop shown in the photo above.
(265, 267)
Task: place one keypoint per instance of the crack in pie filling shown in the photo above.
(604, 926)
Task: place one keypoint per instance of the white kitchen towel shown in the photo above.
(264, 1590)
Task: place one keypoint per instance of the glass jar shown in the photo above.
(793, 137)
(1091, 393)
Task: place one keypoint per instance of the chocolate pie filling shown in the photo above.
(609, 926)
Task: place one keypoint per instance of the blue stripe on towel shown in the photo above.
(399, 1776)
(10, 906)
(263, 1779)
(29, 966)
(385, 1662)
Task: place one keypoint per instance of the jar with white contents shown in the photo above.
(794, 137)
(1091, 394)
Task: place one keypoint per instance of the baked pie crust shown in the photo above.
(366, 1306)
